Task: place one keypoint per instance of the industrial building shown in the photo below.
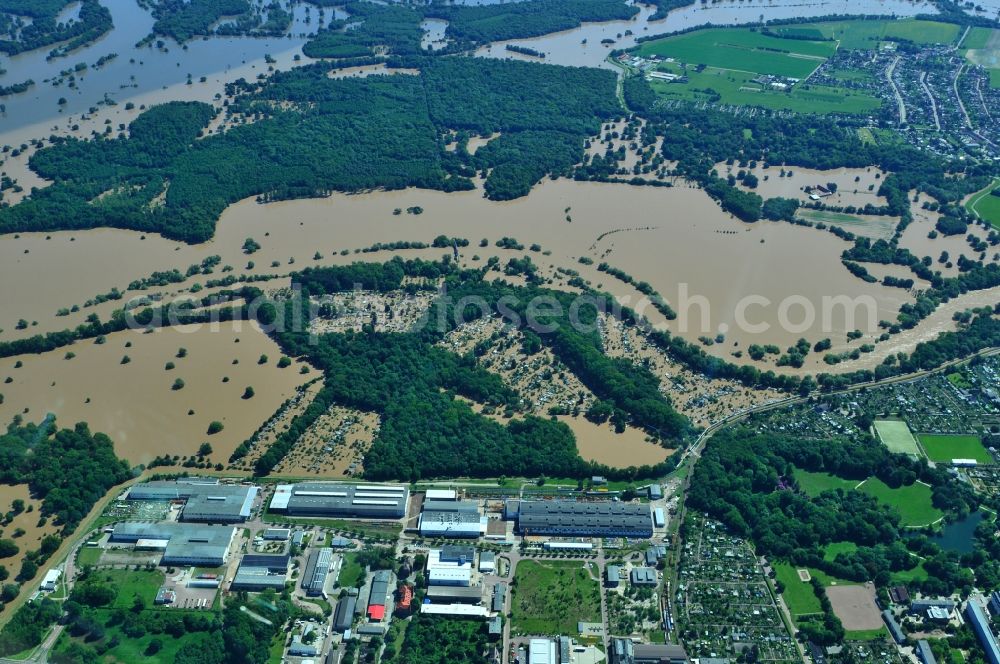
(260, 572)
(378, 598)
(613, 576)
(277, 534)
(454, 595)
(624, 651)
(451, 557)
(449, 576)
(455, 610)
(181, 543)
(542, 651)
(894, 629)
(317, 567)
(588, 519)
(343, 618)
(924, 652)
(981, 626)
(336, 499)
(499, 597)
(205, 500)
(643, 576)
(487, 562)
(51, 579)
(655, 492)
(452, 523)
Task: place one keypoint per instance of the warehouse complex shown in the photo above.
(259, 572)
(205, 499)
(336, 499)
(586, 519)
(181, 543)
(317, 567)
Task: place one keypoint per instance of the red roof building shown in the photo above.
(376, 612)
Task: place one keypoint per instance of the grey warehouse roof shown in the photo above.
(341, 499)
(205, 500)
(541, 514)
(185, 540)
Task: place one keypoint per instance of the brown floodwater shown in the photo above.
(135, 404)
(26, 521)
(582, 46)
(676, 238)
(855, 186)
(600, 443)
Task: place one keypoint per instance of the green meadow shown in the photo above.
(866, 34)
(743, 49)
(944, 448)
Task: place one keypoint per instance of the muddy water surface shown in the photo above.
(135, 404)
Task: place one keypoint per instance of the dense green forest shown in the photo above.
(44, 30)
(747, 481)
(183, 19)
(69, 469)
(340, 135)
(371, 29)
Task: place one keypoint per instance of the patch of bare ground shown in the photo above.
(334, 446)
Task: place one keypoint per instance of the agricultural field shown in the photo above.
(720, 65)
(871, 226)
(912, 502)
(944, 448)
(866, 34)
(982, 38)
(742, 49)
(737, 87)
(542, 592)
(895, 435)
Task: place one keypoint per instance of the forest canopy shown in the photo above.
(328, 135)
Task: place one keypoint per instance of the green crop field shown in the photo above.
(895, 435)
(980, 38)
(912, 502)
(799, 596)
(814, 484)
(721, 63)
(743, 49)
(945, 448)
(866, 34)
(543, 591)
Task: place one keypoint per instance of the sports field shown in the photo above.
(799, 596)
(895, 435)
(866, 34)
(742, 49)
(912, 502)
(985, 204)
(944, 448)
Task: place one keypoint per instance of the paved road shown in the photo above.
(930, 95)
(899, 98)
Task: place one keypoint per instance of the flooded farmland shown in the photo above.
(135, 404)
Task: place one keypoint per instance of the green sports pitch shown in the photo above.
(945, 447)
(895, 435)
